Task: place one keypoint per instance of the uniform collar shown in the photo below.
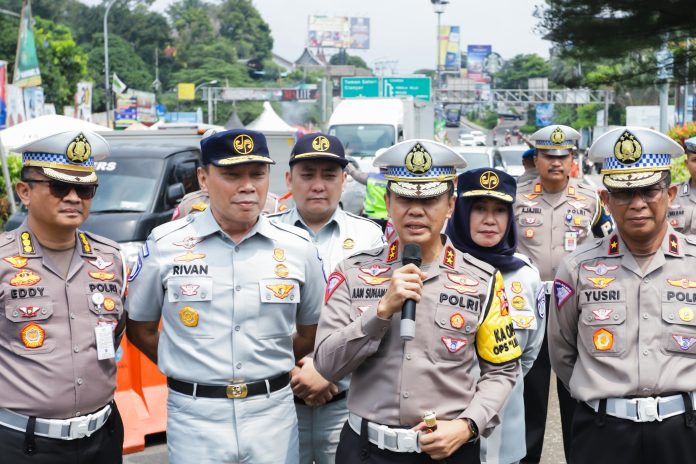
(447, 259)
(338, 217)
(205, 224)
(672, 245)
(29, 246)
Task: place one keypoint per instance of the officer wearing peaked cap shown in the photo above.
(229, 286)
(316, 180)
(554, 214)
(622, 332)
(462, 318)
(63, 292)
(683, 209)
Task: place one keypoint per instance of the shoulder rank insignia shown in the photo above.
(200, 206)
(673, 244)
(86, 247)
(614, 245)
(537, 189)
(449, 257)
(27, 243)
(17, 262)
(33, 335)
(332, 283)
(393, 254)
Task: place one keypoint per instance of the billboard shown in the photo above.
(83, 101)
(33, 102)
(26, 71)
(544, 114)
(3, 93)
(338, 32)
(475, 62)
(449, 57)
(135, 106)
(15, 106)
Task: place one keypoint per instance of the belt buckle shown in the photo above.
(407, 441)
(647, 409)
(79, 428)
(237, 391)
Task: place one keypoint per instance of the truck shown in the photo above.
(366, 125)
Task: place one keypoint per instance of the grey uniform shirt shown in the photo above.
(459, 320)
(48, 347)
(616, 331)
(228, 309)
(682, 210)
(546, 223)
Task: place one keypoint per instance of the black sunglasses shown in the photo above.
(62, 189)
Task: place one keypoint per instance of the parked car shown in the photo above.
(511, 157)
(466, 140)
(479, 137)
(479, 157)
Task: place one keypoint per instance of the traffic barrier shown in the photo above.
(141, 396)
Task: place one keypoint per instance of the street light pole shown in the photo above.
(107, 86)
(439, 8)
(210, 97)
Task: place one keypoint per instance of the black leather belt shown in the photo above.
(232, 391)
(337, 397)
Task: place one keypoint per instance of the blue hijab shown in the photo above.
(485, 183)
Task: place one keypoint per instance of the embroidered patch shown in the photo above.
(457, 321)
(518, 302)
(389, 231)
(516, 287)
(614, 245)
(24, 277)
(562, 292)
(449, 257)
(603, 340)
(393, 254)
(453, 344)
(601, 282)
(600, 269)
(462, 284)
(332, 283)
(18, 262)
(101, 275)
(281, 290)
(189, 256)
(683, 283)
(673, 244)
(684, 342)
(100, 263)
(541, 302)
(602, 314)
(522, 322)
(33, 335)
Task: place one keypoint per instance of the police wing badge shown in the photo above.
(79, 149)
(628, 149)
(418, 160)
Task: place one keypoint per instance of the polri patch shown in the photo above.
(562, 292)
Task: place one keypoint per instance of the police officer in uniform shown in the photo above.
(554, 214)
(316, 180)
(622, 332)
(482, 225)
(530, 169)
(462, 318)
(63, 293)
(681, 211)
(229, 286)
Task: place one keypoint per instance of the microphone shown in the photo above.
(412, 255)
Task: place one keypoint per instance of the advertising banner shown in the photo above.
(83, 101)
(450, 55)
(338, 32)
(15, 106)
(33, 102)
(544, 114)
(476, 57)
(3, 94)
(26, 70)
(135, 106)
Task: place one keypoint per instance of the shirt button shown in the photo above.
(443, 322)
(616, 317)
(238, 366)
(238, 288)
(645, 352)
(76, 348)
(670, 317)
(237, 328)
(645, 315)
(77, 414)
(405, 394)
(79, 381)
(72, 316)
(236, 248)
(408, 356)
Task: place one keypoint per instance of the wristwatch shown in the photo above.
(473, 428)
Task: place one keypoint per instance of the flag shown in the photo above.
(117, 85)
(26, 71)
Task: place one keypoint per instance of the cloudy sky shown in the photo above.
(405, 30)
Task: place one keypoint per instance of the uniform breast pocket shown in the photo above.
(454, 334)
(190, 289)
(277, 307)
(105, 301)
(679, 329)
(28, 310)
(602, 329)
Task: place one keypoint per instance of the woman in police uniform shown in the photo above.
(482, 225)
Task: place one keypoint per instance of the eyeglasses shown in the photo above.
(625, 197)
(62, 189)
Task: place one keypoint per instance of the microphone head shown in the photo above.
(412, 254)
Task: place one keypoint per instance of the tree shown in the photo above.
(515, 72)
(241, 23)
(342, 57)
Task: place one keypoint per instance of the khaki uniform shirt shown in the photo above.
(548, 230)
(48, 347)
(683, 209)
(462, 318)
(228, 309)
(615, 331)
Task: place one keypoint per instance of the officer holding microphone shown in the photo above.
(461, 317)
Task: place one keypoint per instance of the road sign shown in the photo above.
(417, 87)
(359, 87)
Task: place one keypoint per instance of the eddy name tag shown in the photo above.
(279, 291)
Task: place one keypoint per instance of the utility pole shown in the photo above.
(107, 84)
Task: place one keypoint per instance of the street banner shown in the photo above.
(338, 32)
(83, 101)
(3, 94)
(117, 85)
(15, 106)
(26, 70)
(544, 114)
(135, 106)
(450, 55)
(476, 57)
(33, 102)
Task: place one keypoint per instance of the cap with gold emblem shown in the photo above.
(419, 168)
(487, 182)
(233, 147)
(690, 145)
(634, 157)
(555, 140)
(66, 156)
(318, 146)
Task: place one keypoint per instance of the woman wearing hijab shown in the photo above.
(482, 225)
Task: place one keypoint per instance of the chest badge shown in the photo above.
(348, 244)
(602, 314)
(189, 242)
(279, 254)
(101, 275)
(686, 314)
(281, 270)
(189, 256)
(461, 284)
(281, 290)
(457, 321)
(29, 311)
(600, 269)
(188, 316)
(189, 289)
(603, 340)
(371, 274)
(453, 344)
(601, 282)
(18, 262)
(683, 283)
(33, 335)
(100, 263)
(518, 302)
(516, 287)
(23, 278)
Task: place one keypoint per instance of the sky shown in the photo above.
(405, 30)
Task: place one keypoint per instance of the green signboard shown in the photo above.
(352, 87)
(417, 87)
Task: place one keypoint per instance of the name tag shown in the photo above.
(105, 341)
(279, 291)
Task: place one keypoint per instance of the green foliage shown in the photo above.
(14, 164)
(344, 58)
(241, 23)
(515, 72)
(586, 115)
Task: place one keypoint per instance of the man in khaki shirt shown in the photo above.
(62, 299)
(554, 214)
(622, 333)
(462, 318)
(681, 211)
